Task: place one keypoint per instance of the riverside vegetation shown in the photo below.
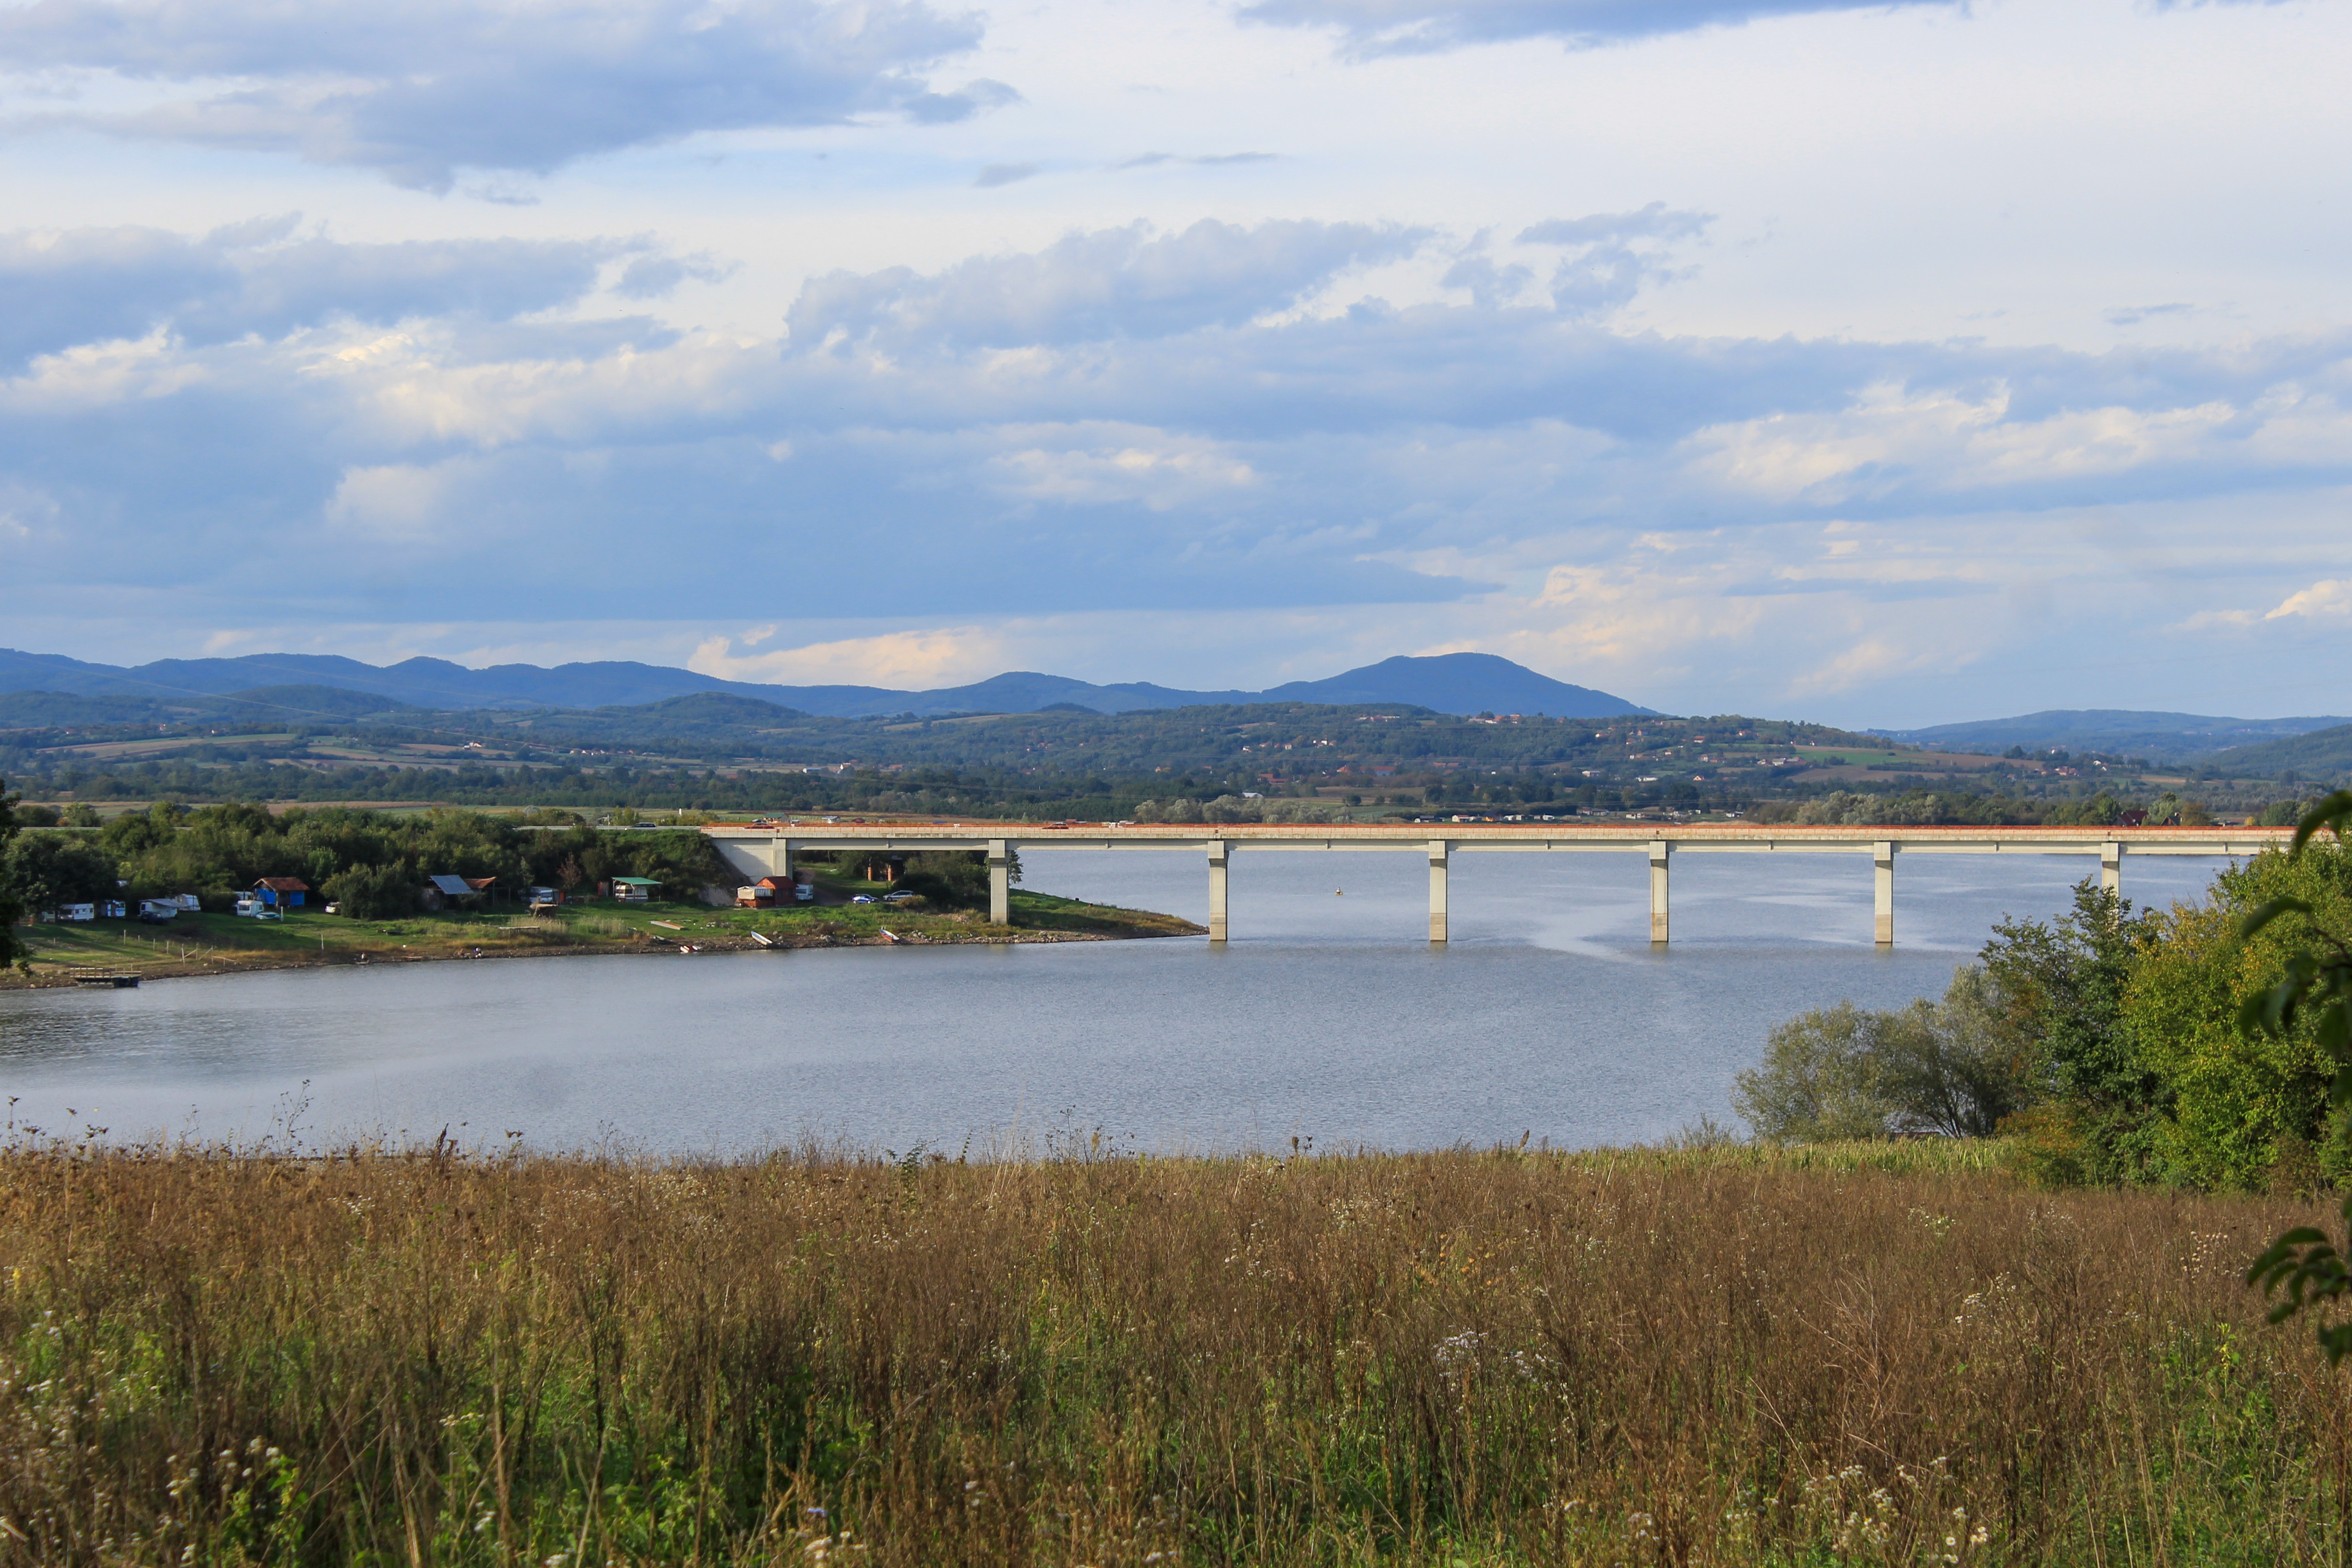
(373, 865)
(2113, 1043)
(1864, 1353)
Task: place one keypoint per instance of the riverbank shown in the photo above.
(197, 944)
(1886, 1353)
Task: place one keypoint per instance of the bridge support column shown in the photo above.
(1660, 851)
(1440, 854)
(1217, 858)
(1883, 879)
(2111, 869)
(1000, 883)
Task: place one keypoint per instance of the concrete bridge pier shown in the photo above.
(1000, 883)
(1660, 851)
(2111, 869)
(1882, 855)
(1440, 859)
(1217, 858)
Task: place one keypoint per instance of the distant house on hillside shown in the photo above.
(280, 892)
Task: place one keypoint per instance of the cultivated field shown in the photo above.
(1891, 1354)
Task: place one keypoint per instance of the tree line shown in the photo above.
(373, 864)
(2109, 1043)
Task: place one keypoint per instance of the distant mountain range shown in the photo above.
(2117, 731)
(1448, 683)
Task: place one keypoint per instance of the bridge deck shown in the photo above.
(769, 847)
(1636, 837)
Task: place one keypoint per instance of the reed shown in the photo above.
(1706, 1354)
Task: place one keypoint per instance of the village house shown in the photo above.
(453, 892)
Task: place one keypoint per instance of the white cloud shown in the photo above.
(1413, 26)
(2330, 597)
(63, 289)
(1111, 283)
(911, 661)
(1095, 465)
(420, 91)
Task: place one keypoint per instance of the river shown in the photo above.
(1326, 1018)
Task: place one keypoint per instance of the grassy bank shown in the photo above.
(1703, 1356)
(221, 943)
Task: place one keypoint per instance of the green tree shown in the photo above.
(1956, 1067)
(44, 870)
(11, 908)
(2313, 989)
(374, 892)
(1821, 1079)
(2233, 1098)
(2062, 985)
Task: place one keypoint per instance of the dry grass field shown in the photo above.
(1887, 1354)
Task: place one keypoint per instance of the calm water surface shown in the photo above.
(1326, 1017)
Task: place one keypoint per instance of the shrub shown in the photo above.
(1954, 1068)
(44, 870)
(374, 892)
(2229, 1098)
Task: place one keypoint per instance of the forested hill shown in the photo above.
(730, 752)
(1449, 682)
(2121, 732)
(2322, 756)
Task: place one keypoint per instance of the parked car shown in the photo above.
(804, 894)
(897, 897)
(862, 898)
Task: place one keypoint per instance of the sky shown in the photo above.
(1875, 364)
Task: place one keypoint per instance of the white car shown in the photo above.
(862, 898)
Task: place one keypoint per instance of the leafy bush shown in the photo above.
(11, 910)
(2062, 983)
(2232, 1099)
(44, 869)
(374, 892)
(1956, 1067)
(951, 879)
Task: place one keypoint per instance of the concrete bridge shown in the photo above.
(767, 848)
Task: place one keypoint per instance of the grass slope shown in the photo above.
(1092, 1357)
